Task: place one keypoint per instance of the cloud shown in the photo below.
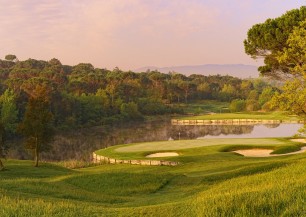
(125, 29)
(126, 33)
(77, 30)
(30, 19)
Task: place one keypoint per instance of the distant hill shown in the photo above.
(236, 70)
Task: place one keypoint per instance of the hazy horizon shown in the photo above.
(134, 33)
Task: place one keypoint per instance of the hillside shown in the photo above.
(236, 70)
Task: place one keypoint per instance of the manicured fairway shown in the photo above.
(185, 144)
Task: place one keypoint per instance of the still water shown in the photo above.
(262, 131)
(79, 144)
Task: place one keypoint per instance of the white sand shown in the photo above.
(265, 152)
(255, 152)
(163, 154)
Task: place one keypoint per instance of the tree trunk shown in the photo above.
(36, 153)
(36, 157)
(1, 165)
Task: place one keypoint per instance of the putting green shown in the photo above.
(185, 144)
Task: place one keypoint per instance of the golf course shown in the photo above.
(210, 180)
(187, 108)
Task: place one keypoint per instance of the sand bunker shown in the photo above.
(163, 154)
(255, 152)
(264, 152)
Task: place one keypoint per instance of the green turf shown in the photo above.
(205, 106)
(209, 182)
(185, 144)
(243, 115)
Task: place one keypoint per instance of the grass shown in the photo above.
(209, 182)
(243, 115)
(202, 111)
(205, 106)
(286, 149)
(136, 150)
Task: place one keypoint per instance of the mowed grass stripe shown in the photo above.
(186, 144)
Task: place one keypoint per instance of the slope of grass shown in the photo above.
(207, 183)
(286, 149)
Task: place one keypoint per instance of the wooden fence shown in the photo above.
(233, 122)
(101, 159)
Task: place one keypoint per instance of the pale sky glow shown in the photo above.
(133, 33)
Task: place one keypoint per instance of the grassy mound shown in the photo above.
(139, 150)
(286, 149)
(282, 149)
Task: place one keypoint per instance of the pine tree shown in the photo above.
(37, 123)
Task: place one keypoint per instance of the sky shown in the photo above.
(134, 33)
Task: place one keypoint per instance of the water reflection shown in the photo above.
(79, 144)
(262, 131)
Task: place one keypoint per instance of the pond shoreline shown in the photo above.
(234, 122)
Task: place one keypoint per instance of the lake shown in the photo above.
(262, 131)
(79, 144)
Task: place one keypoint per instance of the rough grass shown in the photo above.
(277, 193)
(207, 183)
(15, 207)
(123, 184)
(286, 149)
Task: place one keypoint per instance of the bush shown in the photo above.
(267, 107)
(152, 107)
(252, 105)
(130, 111)
(237, 105)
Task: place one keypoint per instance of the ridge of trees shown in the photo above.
(83, 95)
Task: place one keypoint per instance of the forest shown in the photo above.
(82, 95)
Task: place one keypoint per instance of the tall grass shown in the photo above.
(74, 164)
(15, 207)
(277, 193)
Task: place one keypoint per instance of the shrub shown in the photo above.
(267, 107)
(252, 105)
(237, 105)
(152, 107)
(130, 110)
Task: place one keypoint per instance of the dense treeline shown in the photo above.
(83, 95)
